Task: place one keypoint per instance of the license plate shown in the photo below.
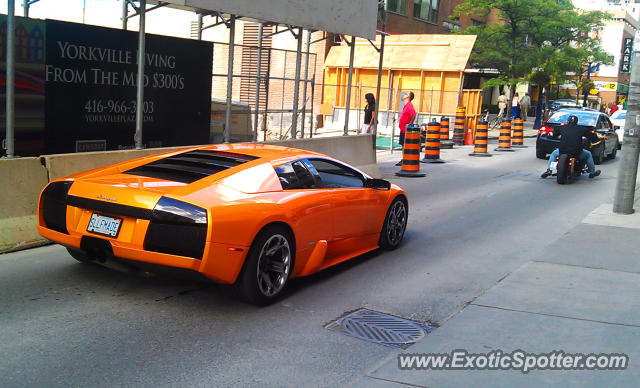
(104, 225)
(554, 165)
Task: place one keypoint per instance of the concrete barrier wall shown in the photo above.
(355, 150)
(23, 178)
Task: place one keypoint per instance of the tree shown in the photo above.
(534, 40)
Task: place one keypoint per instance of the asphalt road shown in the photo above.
(472, 221)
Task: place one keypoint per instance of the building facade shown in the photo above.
(426, 17)
(616, 37)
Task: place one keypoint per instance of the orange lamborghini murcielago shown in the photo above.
(253, 215)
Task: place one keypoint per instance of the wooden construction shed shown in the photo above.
(431, 66)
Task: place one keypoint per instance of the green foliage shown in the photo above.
(536, 40)
(586, 85)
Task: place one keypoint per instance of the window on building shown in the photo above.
(397, 6)
(426, 10)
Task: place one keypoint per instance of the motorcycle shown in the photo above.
(567, 167)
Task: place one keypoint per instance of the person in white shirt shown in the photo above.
(515, 106)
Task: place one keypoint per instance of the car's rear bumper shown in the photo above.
(218, 264)
(545, 144)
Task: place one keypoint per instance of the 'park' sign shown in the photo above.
(625, 62)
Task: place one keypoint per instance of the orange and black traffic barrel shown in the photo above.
(432, 144)
(411, 153)
(481, 141)
(445, 142)
(458, 126)
(518, 134)
(504, 140)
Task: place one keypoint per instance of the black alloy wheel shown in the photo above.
(395, 224)
(268, 266)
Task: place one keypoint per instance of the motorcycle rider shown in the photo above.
(571, 144)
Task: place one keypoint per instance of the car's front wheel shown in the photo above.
(395, 224)
(268, 266)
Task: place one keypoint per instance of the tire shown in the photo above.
(268, 266)
(600, 157)
(395, 224)
(613, 153)
(541, 154)
(80, 256)
(563, 169)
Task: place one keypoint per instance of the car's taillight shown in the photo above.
(544, 130)
(177, 228)
(53, 204)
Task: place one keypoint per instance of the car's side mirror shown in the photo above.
(377, 184)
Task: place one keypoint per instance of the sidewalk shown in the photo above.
(581, 295)
(382, 142)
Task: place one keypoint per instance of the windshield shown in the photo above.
(584, 118)
(619, 115)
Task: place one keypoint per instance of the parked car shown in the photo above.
(617, 119)
(252, 215)
(563, 103)
(549, 133)
(556, 107)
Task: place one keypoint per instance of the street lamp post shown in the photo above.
(585, 92)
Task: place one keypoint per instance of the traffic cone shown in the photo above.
(444, 133)
(411, 153)
(458, 126)
(432, 144)
(518, 134)
(482, 134)
(504, 140)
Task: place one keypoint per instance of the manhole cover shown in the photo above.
(381, 328)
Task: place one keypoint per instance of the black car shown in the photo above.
(549, 134)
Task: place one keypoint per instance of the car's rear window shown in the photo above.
(584, 118)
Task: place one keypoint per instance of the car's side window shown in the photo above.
(335, 175)
(295, 176)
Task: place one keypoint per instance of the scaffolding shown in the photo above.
(354, 21)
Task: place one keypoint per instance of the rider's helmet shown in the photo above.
(572, 120)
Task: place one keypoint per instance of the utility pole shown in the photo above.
(626, 183)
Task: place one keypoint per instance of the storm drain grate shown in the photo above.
(381, 328)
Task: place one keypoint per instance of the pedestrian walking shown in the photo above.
(406, 117)
(369, 114)
(502, 104)
(515, 106)
(525, 103)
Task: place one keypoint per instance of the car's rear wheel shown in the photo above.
(613, 153)
(79, 255)
(598, 158)
(541, 154)
(268, 266)
(395, 224)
